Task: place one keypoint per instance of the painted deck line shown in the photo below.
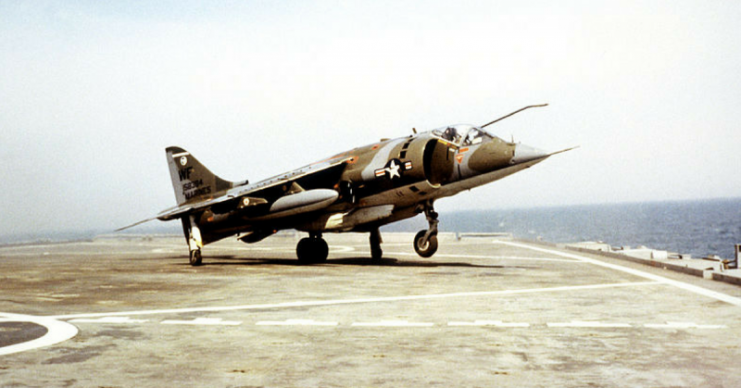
(392, 324)
(296, 322)
(57, 331)
(203, 321)
(121, 320)
(490, 323)
(687, 287)
(683, 325)
(490, 257)
(354, 301)
(589, 324)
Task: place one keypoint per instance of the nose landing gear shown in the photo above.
(425, 242)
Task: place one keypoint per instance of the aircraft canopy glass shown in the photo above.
(462, 134)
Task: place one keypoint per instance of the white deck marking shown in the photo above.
(354, 301)
(687, 287)
(203, 321)
(520, 258)
(591, 324)
(57, 332)
(296, 322)
(341, 249)
(109, 320)
(683, 325)
(393, 324)
(490, 323)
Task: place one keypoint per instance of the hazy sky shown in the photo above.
(91, 93)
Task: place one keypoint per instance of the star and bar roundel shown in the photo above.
(394, 169)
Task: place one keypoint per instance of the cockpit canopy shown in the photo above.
(462, 134)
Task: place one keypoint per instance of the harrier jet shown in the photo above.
(355, 191)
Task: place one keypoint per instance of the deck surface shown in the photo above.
(131, 311)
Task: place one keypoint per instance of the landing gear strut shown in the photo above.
(312, 249)
(195, 242)
(375, 244)
(425, 242)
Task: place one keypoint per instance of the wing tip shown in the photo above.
(133, 225)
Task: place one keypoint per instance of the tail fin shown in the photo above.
(191, 180)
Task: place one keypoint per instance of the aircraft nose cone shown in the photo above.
(525, 153)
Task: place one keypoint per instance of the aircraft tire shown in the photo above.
(375, 246)
(321, 250)
(303, 250)
(376, 254)
(195, 258)
(422, 249)
(312, 250)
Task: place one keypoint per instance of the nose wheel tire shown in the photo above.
(312, 250)
(425, 248)
(195, 258)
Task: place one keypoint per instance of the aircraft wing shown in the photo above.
(165, 215)
(305, 189)
(273, 191)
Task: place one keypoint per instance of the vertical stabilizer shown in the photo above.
(191, 180)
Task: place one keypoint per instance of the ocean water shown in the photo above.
(696, 227)
(699, 228)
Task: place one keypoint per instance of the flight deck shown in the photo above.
(483, 311)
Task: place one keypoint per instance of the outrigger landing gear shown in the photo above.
(195, 257)
(425, 242)
(312, 249)
(195, 242)
(375, 244)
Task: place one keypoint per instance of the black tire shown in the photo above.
(303, 250)
(195, 258)
(312, 250)
(321, 250)
(425, 250)
(376, 254)
(375, 245)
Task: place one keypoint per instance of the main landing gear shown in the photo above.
(425, 242)
(312, 249)
(375, 244)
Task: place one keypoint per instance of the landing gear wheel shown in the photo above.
(376, 254)
(312, 250)
(425, 242)
(321, 250)
(425, 248)
(195, 258)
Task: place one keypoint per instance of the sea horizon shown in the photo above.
(698, 227)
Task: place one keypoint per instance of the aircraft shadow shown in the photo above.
(230, 260)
